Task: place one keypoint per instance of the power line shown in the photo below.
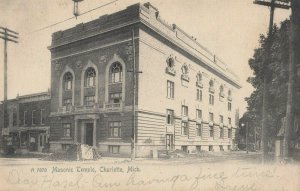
(74, 17)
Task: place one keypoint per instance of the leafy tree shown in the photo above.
(276, 72)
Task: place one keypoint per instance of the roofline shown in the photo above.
(223, 72)
(28, 96)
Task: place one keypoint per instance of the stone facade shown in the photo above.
(185, 96)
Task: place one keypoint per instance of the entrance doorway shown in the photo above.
(42, 141)
(89, 134)
(169, 142)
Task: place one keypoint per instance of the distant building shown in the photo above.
(27, 122)
(186, 98)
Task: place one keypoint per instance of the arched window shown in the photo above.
(211, 84)
(229, 95)
(199, 77)
(68, 78)
(222, 91)
(211, 87)
(90, 77)
(116, 73)
(185, 69)
(170, 62)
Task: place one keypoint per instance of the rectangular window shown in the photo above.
(229, 121)
(67, 129)
(43, 117)
(15, 118)
(25, 119)
(229, 133)
(41, 141)
(114, 149)
(221, 148)
(198, 148)
(199, 95)
(184, 149)
(115, 97)
(184, 110)
(211, 117)
(170, 89)
(221, 119)
(170, 117)
(115, 128)
(68, 104)
(184, 128)
(34, 117)
(211, 131)
(89, 100)
(229, 106)
(211, 99)
(221, 132)
(199, 113)
(45, 139)
(199, 130)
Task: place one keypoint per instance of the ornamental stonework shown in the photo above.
(78, 64)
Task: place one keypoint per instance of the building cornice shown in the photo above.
(151, 20)
(101, 32)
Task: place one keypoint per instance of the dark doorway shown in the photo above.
(89, 134)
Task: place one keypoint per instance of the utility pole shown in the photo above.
(134, 73)
(295, 18)
(255, 138)
(283, 4)
(7, 35)
(247, 132)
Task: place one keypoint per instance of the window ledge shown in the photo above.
(199, 84)
(113, 83)
(89, 87)
(170, 125)
(185, 77)
(171, 71)
(199, 121)
(185, 118)
(66, 138)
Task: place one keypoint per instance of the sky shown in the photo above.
(228, 28)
